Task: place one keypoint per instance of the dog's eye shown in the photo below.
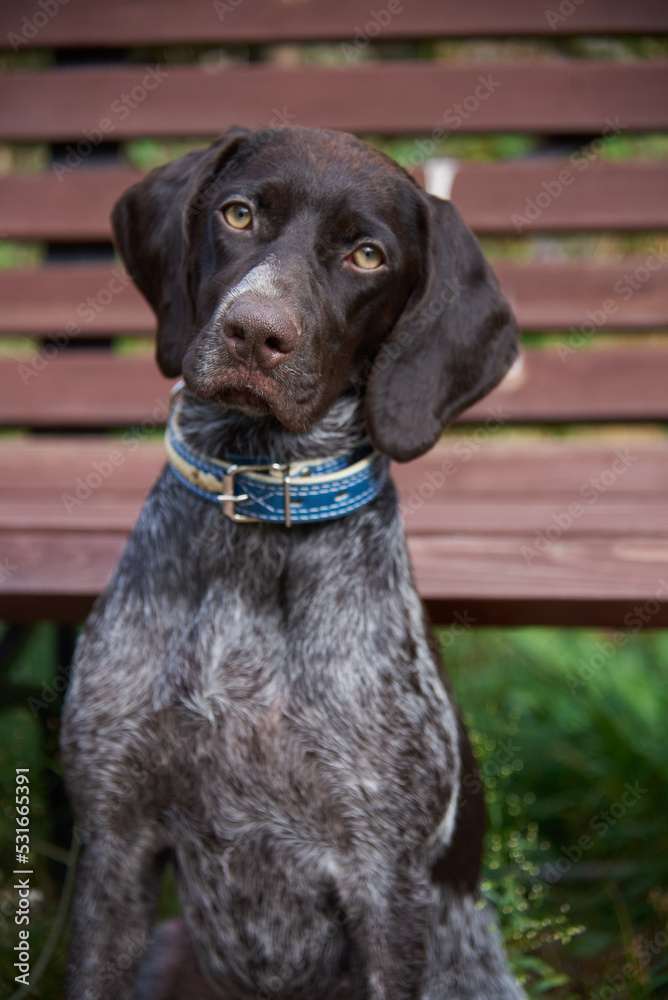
(368, 257)
(237, 215)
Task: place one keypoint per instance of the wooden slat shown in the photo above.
(99, 301)
(53, 574)
(68, 206)
(117, 511)
(82, 484)
(90, 300)
(84, 389)
(135, 22)
(577, 295)
(98, 389)
(592, 582)
(57, 575)
(391, 97)
(491, 468)
(492, 198)
(605, 385)
(557, 195)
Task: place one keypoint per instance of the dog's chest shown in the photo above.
(303, 694)
(310, 744)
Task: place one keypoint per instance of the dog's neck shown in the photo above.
(218, 431)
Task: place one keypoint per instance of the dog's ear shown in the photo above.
(149, 223)
(453, 343)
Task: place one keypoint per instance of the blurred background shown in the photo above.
(538, 528)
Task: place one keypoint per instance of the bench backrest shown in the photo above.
(570, 197)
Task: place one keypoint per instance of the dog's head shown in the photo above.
(286, 266)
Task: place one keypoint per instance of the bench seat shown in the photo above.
(488, 524)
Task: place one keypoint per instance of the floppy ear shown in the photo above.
(149, 223)
(453, 343)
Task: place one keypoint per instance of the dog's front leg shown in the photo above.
(387, 925)
(116, 894)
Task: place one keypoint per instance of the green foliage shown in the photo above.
(14, 254)
(650, 146)
(578, 815)
(148, 153)
(23, 157)
(26, 60)
(411, 150)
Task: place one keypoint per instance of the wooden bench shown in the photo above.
(547, 503)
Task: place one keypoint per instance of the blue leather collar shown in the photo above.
(256, 489)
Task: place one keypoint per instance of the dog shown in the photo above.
(256, 695)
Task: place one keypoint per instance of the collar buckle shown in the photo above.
(228, 498)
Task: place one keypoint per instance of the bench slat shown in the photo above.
(393, 97)
(83, 389)
(161, 22)
(560, 296)
(576, 194)
(627, 196)
(545, 297)
(72, 206)
(99, 389)
(597, 581)
(52, 575)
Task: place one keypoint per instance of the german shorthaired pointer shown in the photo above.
(256, 695)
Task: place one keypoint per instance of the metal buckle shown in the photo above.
(228, 498)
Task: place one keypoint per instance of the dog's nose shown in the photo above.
(259, 331)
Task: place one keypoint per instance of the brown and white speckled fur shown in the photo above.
(264, 705)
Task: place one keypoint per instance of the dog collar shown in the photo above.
(255, 489)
